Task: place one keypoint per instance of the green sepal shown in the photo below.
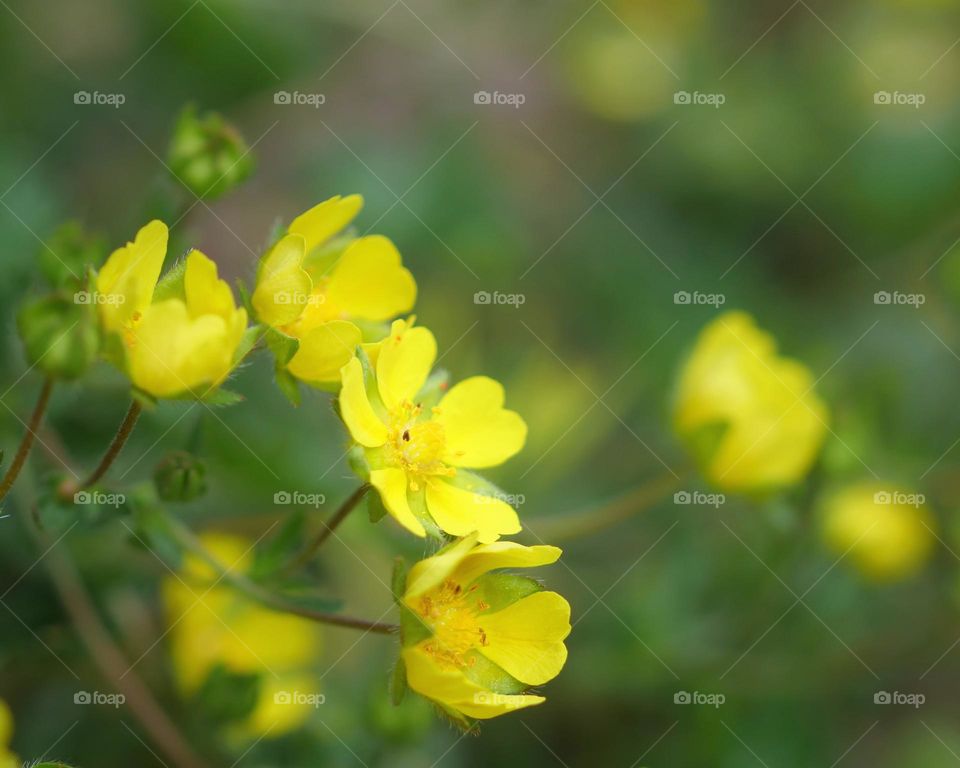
(703, 442)
(434, 389)
(144, 399)
(60, 335)
(499, 590)
(180, 477)
(398, 579)
(357, 459)
(470, 481)
(412, 629)
(375, 507)
(247, 342)
(283, 347)
(398, 682)
(460, 720)
(492, 677)
(221, 396)
(289, 386)
(171, 285)
(69, 252)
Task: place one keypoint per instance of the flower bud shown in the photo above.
(207, 154)
(60, 334)
(181, 476)
(69, 253)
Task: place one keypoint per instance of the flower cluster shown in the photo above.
(332, 307)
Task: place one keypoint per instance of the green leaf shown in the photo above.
(279, 549)
(228, 696)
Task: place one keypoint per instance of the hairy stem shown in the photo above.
(119, 440)
(268, 598)
(112, 663)
(595, 519)
(28, 438)
(329, 527)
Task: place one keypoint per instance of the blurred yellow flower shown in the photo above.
(183, 344)
(7, 758)
(887, 531)
(750, 416)
(216, 625)
(416, 449)
(330, 293)
(475, 641)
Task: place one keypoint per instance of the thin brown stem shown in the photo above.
(27, 443)
(112, 663)
(329, 527)
(268, 598)
(119, 440)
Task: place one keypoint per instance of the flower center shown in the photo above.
(418, 445)
(451, 614)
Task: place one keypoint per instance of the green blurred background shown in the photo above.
(596, 200)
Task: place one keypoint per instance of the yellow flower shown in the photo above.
(749, 415)
(183, 344)
(211, 623)
(416, 448)
(887, 532)
(7, 758)
(328, 292)
(476, 641)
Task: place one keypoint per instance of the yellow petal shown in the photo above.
(432, 571)
(324, 351)
(392, 485)
(503, 554)
(450, 687)
(325, 219)
(459, 512)
(356, 410)
(171, 353)
(526, 638)
(406, 357)
(369, 282)
(132, 273)
(283, 286)
(206, 293)
(479, 432)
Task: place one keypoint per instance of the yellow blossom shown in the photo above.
(749, 415)
(212, 624)
(418, 450)
(328, 292)
(476, 641)
(182, 344)
(7, 758)
(887, 532)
